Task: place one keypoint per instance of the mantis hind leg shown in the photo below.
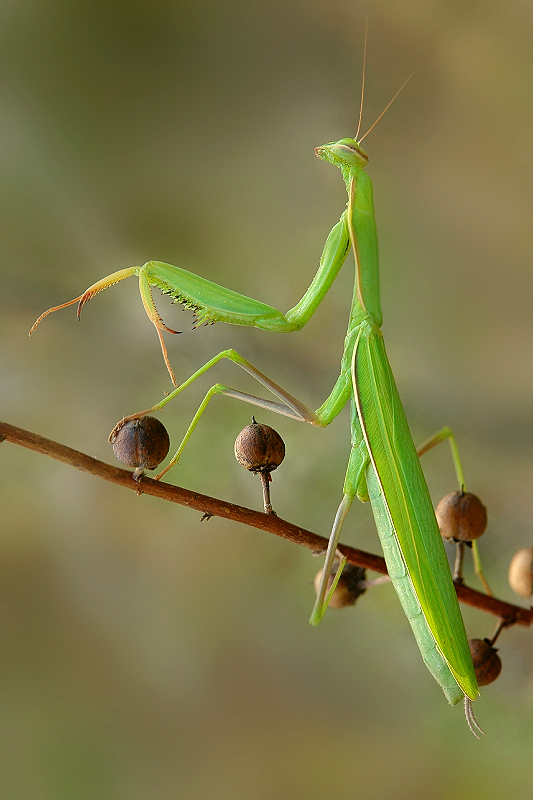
(321, 603)
(433, 441)
(437, 438)
(354, 485)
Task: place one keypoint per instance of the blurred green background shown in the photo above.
(147, 655)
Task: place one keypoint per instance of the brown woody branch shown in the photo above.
(508, 612)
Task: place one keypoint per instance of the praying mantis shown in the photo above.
(383, 465)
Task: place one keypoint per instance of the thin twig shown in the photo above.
(499, 628)
(458, 566)
(265, 482)
(218, 508)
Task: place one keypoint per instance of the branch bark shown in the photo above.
(211, 506)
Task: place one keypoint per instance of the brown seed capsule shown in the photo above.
(141, 443)
(461, 516)
(259, 448)
(521, 572)
(351, 585)
(487, 662)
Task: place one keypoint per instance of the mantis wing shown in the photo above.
(408, 504)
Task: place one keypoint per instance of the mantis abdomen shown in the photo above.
(405, 590)
(412, 544)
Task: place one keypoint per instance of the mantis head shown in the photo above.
(346, 153)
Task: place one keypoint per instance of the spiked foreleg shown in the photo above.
(211, 302)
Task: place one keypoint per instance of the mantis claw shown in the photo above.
(49, 311)
(110, 280)
(99, 286)
(165, 470)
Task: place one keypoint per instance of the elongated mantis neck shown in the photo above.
(351, 159)
(364, 240)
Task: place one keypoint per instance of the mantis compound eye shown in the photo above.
(345, 151)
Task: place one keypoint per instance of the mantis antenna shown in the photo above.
(362, 82)
(404, 84)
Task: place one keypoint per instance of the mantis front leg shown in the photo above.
(213, 303)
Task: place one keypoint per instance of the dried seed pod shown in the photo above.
(521, 572)
(461, 516)
(141, 443)
(259, 448)
(487, 662)
(351, 585)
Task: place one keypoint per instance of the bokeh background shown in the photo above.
(146, 654)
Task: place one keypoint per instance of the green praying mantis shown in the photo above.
(383, 465)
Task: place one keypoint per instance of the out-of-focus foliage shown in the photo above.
(146, 654)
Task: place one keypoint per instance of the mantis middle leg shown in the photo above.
(289, 406)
